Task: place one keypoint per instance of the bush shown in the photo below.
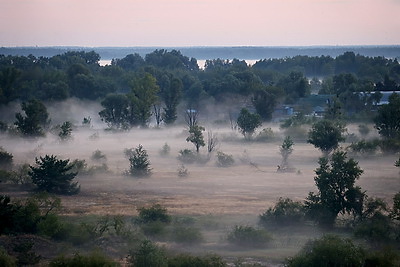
(6, 159)
(97, 155)
(54, 176)
(390, 146)
(224, 160)
(6, 260)
(139, 163)
(182, 260)
(148, 254)
(93, 259)
(186, 234)
(183, 171)
(329, 251)
(187, 156)
(165, 150)
(364, 147)
(265, 135)
(248, 236)
(285, 212)
(154, 213)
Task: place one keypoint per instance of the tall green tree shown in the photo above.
(335, 179)
(171, 97)
(264, 101)
(196, 136)
(116, 111)
(35, 119)
(387, 121)
(248, 122)
(326, 135)
(143, 96)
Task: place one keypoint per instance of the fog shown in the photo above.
(233, 195)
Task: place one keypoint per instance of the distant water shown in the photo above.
(211, 52)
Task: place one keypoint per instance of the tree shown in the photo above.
(139, 162)
(335, 179)
(264, 101)
(54, 175)
(36, 117)
(329, 250)
(326, 135)
(116, 111)
(196, 136)
(171, 97)
(387, 121)
(286, 149)
(142, 97)
(248, 122)
(65, 131)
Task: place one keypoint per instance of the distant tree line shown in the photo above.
(133, 88)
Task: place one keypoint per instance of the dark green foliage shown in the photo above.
(265, 135)
(65, 131)
(36, 117)
(94, 259)
(6, 260)
(286, 149)
(387, 121)
(248, 122)
(186, 260)
(248, 236)
(116, 111)
(6, 159)
(171, 96)
(286, 212)
(387, 257)
(186, 234)
(224, 160)
(139, 163)
(326, 135)
(54, 175)
(329, 251)
(153, 213)
(97, 155)
(337, 194)
(148, 254)
(364, 147)
(165, 150)
(395, 213)
(264, 101)
(187, 156)
(196, 136)
(25, 255)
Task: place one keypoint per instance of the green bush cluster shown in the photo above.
(224, 160)
(248, 236)
(286, 212)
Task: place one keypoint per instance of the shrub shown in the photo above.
(139, 163)
(148, 254)
(249, 236)
(198, 261)
(165, 150)
(6, 159)
(364, 147)
(154, 213)
(387, 257)
(54, 175)
(97, 155)
(186, 234)
(285, 212)
(265, 135)
(6, 260)
(330, 250)
(25, 255)
(363, 129)
(183, 171)
(187, 156)
(224, 160)
(93, 259)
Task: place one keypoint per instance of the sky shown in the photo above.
(172, 23)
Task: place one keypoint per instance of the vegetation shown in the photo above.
(286, 149)
(196, 136)
(54, 175)
(35, 119)
(139, 163)
(335, 179)
(224, 160)
(248, 236)
(286, 212)
(326, 135)
(248, 122)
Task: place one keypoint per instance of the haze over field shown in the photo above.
(199, 23)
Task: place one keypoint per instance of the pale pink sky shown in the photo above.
(199, 22)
